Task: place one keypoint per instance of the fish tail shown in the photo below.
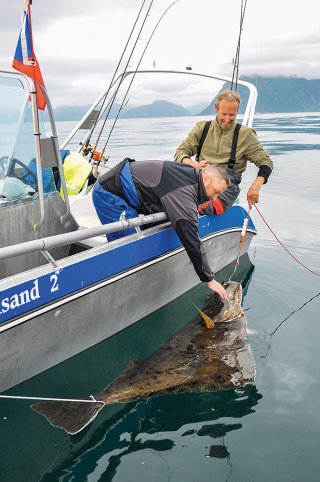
(207, 320)
(69, 416)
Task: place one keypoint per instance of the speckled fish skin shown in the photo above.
(195, 359)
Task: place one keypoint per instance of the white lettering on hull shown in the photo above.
(20, 299)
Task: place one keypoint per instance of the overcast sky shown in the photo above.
(78, 43)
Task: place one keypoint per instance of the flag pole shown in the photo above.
(25, 60)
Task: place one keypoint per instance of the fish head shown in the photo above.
(230, 309)
(234, 291)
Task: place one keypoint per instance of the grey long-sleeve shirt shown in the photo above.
(178, 190)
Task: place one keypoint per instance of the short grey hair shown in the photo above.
(218, 172)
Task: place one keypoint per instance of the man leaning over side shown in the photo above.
(154, 186)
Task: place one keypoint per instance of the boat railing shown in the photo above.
(50, 242)
(55, 143)
(247, 119)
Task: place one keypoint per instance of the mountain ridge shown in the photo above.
(275, 95)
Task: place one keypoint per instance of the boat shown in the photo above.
(63, 287)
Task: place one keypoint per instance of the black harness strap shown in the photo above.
(232, 158)
(202, 139)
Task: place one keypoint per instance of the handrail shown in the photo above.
(50, 242)
(247, 118)
(251, 104)
(57, 153)
(36, 129)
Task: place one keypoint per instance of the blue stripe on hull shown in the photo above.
(46, 289)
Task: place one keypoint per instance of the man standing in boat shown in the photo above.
(226, 143)
(148, 187)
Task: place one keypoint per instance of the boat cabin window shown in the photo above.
(18, 168)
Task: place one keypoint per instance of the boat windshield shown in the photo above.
(18, 168)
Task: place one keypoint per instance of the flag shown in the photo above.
(24, 58)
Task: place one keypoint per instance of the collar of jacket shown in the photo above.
(221, 129)
(202, 197)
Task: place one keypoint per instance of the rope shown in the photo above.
(284, 247)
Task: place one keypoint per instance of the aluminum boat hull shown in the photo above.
(97, 293)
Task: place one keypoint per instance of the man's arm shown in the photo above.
(188, 234)
(255, 152)
(194, 164)
(189, 148)
(259, 156)
(253, 191)
(182, 212)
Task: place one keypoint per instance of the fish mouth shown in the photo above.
(234, 290)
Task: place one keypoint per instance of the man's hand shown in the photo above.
(202, 164)
(253, 192)
(218, 288)
(195, 164)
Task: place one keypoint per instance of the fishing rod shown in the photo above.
(235, 73)
(117, 89)
(134, 74)
(87, 141)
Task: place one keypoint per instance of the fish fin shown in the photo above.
(250, 331)
(207, 320)
(69, 416)
(133, 363)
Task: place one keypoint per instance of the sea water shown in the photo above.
(267, 431)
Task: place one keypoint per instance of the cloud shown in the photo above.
(297, 57)
(78, 44)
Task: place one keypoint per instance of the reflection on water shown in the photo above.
(266, 343)
(160, 425)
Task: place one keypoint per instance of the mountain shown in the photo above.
(70, 112)
(196, 108)
(76, 112)
(159, 108)
(275, 94)
(279, 94)
(291, 94)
